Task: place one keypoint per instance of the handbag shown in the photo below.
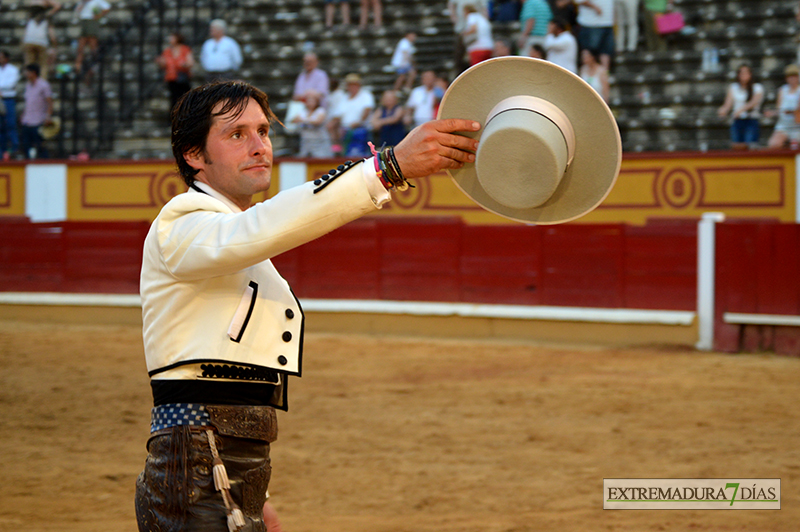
(671, 22)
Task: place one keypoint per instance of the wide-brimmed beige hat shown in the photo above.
(50, 131)
(549, 148)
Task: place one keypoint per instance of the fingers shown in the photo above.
(451, 125)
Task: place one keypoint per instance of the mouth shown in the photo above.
(257, 167)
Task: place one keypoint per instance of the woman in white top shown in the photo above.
(477, 35)
(786, 127)
(39, 36)
(595, 74)
(743, 102)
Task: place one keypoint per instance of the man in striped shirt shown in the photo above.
(535, 16)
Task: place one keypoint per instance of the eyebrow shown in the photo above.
(233, 126)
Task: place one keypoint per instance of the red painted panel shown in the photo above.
(419, 259)
(582, 266)
(501, 264)
(661, 267)
(784, 267)
(341, 265)
(31, 257)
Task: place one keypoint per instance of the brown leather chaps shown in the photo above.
(176, 492)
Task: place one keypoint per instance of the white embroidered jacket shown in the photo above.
(209, 292)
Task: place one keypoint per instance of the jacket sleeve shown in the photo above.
(199, 237)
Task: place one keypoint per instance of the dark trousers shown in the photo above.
(9, 138)
(32, 139)
(176, 90)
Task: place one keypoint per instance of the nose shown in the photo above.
(260, 145)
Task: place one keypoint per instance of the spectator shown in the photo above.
(439, 88)
(387, 120)
(376, 13)
(419, 107)
(787, 130)
(39, 39)
(403, 62)
(329, 12)
(349, 121)
(89, 13)
(653, 8)
(9, 77)
(627, 19)
(220, 56)
(538, 52)
(561, 46)
(535, 16)
(177, 61)
(743, 101)
(595, 74)
(477, 35)
(596, 21)
(314, 138)
(312, 78)
(502, 47)
(38, 112)
(458, 18)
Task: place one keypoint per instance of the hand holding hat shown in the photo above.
(433, 146)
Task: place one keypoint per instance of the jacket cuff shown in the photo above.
(376, 190)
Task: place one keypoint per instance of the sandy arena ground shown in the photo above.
(391, 435)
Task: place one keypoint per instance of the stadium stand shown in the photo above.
(664, 101)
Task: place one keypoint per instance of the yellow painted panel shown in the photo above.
(12, 190)
(741, 187)
(121, 190)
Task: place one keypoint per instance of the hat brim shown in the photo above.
(598, 146)
(50, 132)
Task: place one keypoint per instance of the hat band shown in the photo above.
(544, 108)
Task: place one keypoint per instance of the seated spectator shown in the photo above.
(349, 120)
(314, 138)
(387, 120)
(477, 35)
(377, 16)
(787, 129)
(39, 40)
(420, 104)
(330, 12)
(502, 47)
(534, 17)
(403, 62)
(743, 102)
(595, 74)
(561, 46)
(312, 78)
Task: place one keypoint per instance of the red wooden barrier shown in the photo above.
(606, 266)
(757, 270)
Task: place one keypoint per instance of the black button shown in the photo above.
(340, 167)
(349, 163)
(317, 181)
(282, 360)
(289, 313)
(287, 336)
(326, 177)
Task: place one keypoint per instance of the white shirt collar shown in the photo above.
(217, 195)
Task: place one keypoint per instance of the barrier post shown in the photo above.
(706, 247)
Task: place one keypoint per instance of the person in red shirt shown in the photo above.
(177, 61)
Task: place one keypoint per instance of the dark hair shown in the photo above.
(179, 38)
(562, 24)
(539, 48)
(750, 82)
(195, 111)
(33, 67)
(4, 53)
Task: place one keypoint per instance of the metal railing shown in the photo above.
(125, 61)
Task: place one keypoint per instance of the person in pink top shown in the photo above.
(38, 112)
(177, 61)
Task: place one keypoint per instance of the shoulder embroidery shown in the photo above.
(328, 178)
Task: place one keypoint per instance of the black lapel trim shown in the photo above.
(209, 361)
(302, 332)
(195, 187)
(254, 286)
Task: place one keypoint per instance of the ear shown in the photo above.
(195, 159)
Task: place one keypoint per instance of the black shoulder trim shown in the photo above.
(328, 178)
